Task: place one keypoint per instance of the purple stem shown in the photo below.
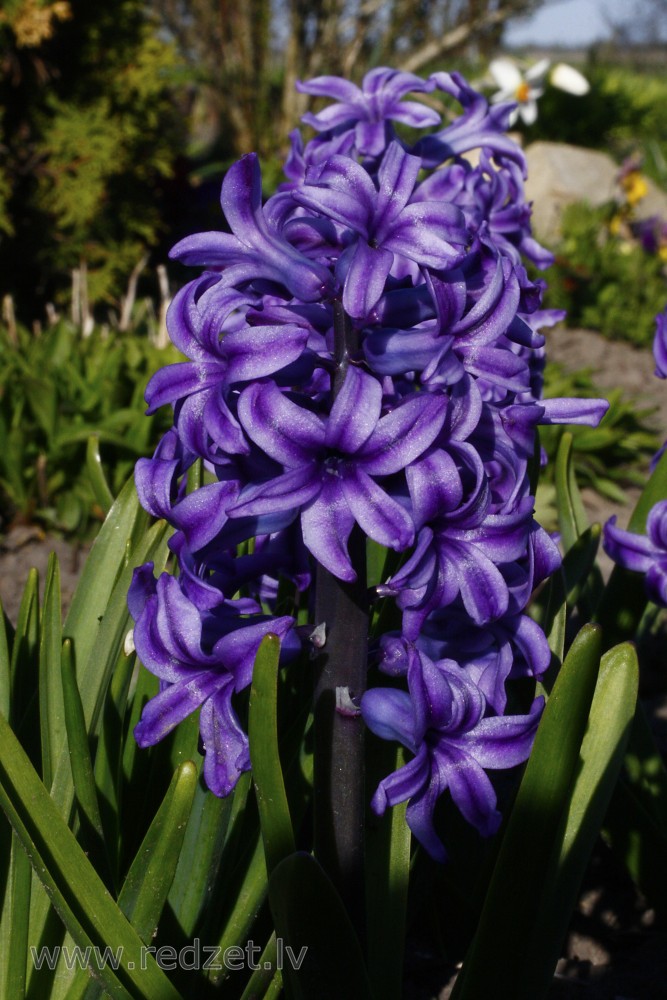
(339, 799)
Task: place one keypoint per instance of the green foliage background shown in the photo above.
(56, 391)
(623, 113)
(605, 282)
(91, 131)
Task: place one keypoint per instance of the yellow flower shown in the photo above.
(615, 225)
(634, 187)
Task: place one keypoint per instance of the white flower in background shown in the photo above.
(569, 79)
(526, 88)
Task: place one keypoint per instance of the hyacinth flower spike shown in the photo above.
(362, 361)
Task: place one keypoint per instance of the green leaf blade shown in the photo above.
(602, 751)
(572, 517)
(325, 958)
(83, 777)
(73, 886)
(151, 874)
(51, 709)
(103, 494)
(494, 965)
(274, 814)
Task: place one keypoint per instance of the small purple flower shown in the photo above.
(645, 554)
(442, 720)
(480, 125)
(206, 321)
(660, 344)
(462, 555)
(490, 654)
(253, 250)
(369, 109)
(382, 222)
(331, 464)
(202, 661)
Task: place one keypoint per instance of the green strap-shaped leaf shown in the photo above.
(109, 757)
(274, 815)
(266, 977)
(51, 711)
(276, 825)
(24, 707)
(145, 889)
(550, 611)
(5, 666)
(108, 629)
(81, 763)
(98, 480)
(195, 476)
(654, 491)
(25, 644)
(97, 623)
(74, 888)
(497, 955)
(16, 919)
(243, 868)
(601, 757)
(325, 960)
(134, 762)
(579, 560)
(100, 572)
(387, 873)
(243, 874)
(643, 787)
(248, 901)
(199, 861)
(572, 518)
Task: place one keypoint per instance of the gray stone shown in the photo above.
(559, 174)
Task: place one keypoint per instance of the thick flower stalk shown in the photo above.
(363, 362)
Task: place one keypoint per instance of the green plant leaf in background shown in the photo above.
(387, 873)
(496, 961)
(325, 958)
(274, 815)
(96, 626)
(149, 879)
(51, 709)
(636, 825)
(572, 518)
(74, 888)
(81, 763)
(101, 489)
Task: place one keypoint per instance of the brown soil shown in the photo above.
(24, 548)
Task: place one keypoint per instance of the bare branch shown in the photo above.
(454, 39)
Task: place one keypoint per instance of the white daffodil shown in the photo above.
(526, 88)
(569, 79)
